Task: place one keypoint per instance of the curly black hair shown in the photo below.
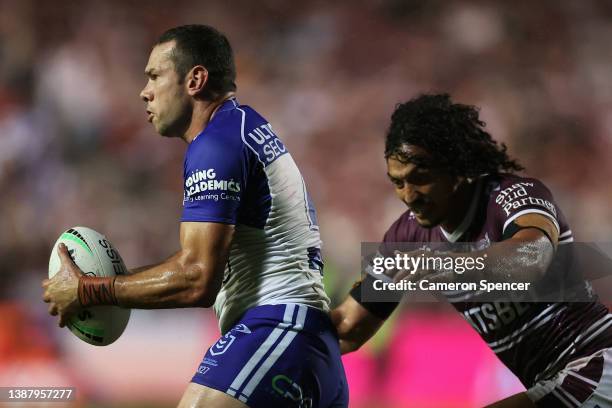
(452, 134)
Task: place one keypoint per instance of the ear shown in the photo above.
(196, 80)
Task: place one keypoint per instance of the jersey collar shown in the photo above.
(229, 104)
(469, 217)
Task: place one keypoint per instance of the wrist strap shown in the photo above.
(95, 291)
(381, 310)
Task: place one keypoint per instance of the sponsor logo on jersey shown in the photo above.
(204, 185)
(489, 317)
(516, 196)
(266, 142)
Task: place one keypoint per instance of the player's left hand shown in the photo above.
(61, 291)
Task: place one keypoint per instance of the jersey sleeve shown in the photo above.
(215, 176)
(524, 196)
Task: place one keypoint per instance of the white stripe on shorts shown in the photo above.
(600, 388)
(559, 397)
(262, 350)
(276, 353)
(567, 395)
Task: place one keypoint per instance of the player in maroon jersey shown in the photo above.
(459, 186)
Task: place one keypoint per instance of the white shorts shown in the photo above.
(585, 382)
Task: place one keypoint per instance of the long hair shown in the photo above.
(452, 134)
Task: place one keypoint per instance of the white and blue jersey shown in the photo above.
(237, 171)
(279, 347)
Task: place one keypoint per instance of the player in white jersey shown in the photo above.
(249, 239)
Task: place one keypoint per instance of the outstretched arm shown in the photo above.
(522, 257)
(355, 324)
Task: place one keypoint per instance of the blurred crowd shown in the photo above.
(76, 149)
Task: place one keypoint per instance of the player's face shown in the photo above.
(427, 192)
(167, 102)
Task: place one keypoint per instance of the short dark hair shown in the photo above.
(452, 134)
(198, 44)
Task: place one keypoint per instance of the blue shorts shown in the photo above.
(278, 356)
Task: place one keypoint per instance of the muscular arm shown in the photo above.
(526, 255)
(153, 265)
(523, 258)
(144, 268)
(191, 277)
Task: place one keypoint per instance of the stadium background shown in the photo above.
(76, 149)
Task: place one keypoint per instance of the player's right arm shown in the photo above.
(355, 324)
(356, 321)
(215, 175)
(191, 277)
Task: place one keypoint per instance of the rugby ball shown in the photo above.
(95, 256)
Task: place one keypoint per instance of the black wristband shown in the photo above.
(513, 228)
(381, 310)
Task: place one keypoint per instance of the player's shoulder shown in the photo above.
(232, 112)
(505, 188)
(242, 119)
(502, 183)
(252, 118)
(511, 196)
(229, 128)
(259, 136)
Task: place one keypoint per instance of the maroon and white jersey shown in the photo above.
(535, 340)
